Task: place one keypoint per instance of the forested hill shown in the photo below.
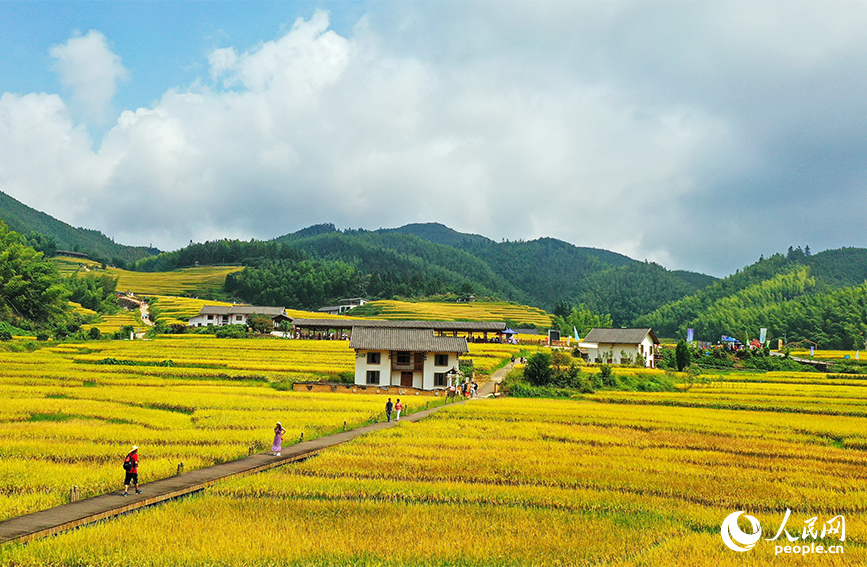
(799, 296)
(61, 236)
(430, 259)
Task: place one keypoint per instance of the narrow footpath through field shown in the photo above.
(75, 514)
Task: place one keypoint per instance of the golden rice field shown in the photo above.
(202, 280)
(828, 354)
(66, 420)
(113, 323)
(178, 310)
(476, 311)
(622, 480)
(205, 281)
(69, 265)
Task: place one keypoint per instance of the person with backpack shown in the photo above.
(130, 465)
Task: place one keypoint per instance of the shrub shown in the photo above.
(538, 370)
(232, 332)
(94, 334)
(606, 376)
(5, 336)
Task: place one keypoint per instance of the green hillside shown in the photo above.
(431, 259)
(821, 298)
(24, 220)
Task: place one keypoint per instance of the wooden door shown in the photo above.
(406, 379)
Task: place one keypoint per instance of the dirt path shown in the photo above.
(75, 514)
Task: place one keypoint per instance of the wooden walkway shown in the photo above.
(69, 516)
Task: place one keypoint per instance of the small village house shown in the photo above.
(220, 315)
(410, 358)
(620, 346)
(344, 306)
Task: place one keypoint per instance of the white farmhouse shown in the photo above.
(611, 345)
(219, 315)
(406, 357)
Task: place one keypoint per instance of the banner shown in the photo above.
(690, 335)
(763, 334)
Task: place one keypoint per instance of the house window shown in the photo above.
(439, 378)
(210, 317)
(404, 358)
(441, 360)
(239, 318)
(373, 376)
(373, 358)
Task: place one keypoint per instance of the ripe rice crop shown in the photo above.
(623, 479)
(827, 354)
(204, 280)
(64, 408)
(113, 323)
(475, 311)
(178, 310)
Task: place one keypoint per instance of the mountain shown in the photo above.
(24, 220)
(415, 260)
(439, 234)
(820, 298)
(431, 258)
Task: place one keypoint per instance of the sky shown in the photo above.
(698, 135)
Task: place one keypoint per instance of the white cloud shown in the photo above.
(91, 71)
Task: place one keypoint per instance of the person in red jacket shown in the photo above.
(131, 471)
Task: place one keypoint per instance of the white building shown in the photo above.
(345, 305)
(612, 345)
(406, 357)
(219, 315)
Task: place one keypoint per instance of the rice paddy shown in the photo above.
(610, 478)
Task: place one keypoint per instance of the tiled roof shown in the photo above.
(619, 336)
(474, 326)
(407, 340)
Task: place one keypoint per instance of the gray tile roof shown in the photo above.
(406, 340)
(619, 336)
(474, 326)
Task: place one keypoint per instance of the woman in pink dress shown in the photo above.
(278, 440)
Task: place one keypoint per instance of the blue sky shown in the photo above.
(695, 134)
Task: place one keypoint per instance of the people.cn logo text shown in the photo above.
(739, 540)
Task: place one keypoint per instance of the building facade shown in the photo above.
(405, 357)
(621, 346)
(220, 315)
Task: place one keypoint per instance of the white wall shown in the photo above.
(595, 354)
(423, 380)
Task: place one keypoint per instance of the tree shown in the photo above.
(30, 286)
(538, 370)
(582, 319)
(681, 355)
(261, 324)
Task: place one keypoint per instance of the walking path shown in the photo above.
(489, 387)
(75, 514)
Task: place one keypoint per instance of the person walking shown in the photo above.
(388, 409)
(130, 465)
(277, 446)
(398, 407)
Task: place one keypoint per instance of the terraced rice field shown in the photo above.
(610, 478)
(618, 479)
(69, 413)
(476, 311)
